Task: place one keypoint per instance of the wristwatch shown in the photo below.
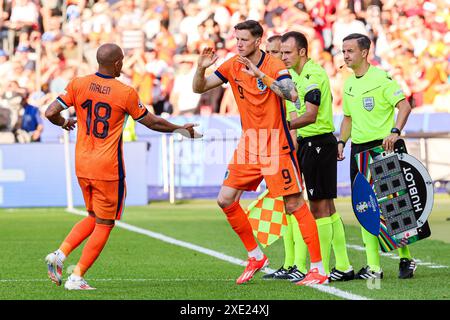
(396, 130)
(343, 143)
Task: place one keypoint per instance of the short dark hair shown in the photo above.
(362, 40)
(253, 26)
(274, 38)
(300, 39)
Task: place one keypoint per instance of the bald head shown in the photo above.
(110, 59)
(108, 54)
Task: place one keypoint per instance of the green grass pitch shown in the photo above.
(136, 266)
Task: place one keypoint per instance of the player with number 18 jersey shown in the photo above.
(102, 105)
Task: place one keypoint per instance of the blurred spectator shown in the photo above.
(164, 44)
(24, 16)
(30, 124)
(161, 79)
(345, 24)
(5, 66)
(184, 101)
(210, 101)
(128, 23)
(12, 99)
(40, 49)
(433, 75)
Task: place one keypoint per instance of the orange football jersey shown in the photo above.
(263, 113)
(102, 105)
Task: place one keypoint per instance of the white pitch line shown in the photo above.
(119, 279)
(393, 256)
(326, 289)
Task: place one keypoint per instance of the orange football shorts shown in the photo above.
(281, 173)
(105, 198)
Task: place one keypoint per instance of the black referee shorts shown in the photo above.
(317, 158)
(357, 148)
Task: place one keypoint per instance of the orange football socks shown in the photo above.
(240, 224)
(308, 228)
(79, 232)
(93, 248)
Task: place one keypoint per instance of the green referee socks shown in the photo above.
(372, 250)
(288, 244)
(295, 248)
(325, 229)
(339, 243)
(300, 248)
(403, 252)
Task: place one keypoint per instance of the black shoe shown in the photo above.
(365, 273)
(275, 274)
(337, 275)
(406, 268)
(295, 275)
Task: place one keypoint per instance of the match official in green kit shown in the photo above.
(369, 100)
(312, 115)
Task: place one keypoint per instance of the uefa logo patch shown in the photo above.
(369, 103)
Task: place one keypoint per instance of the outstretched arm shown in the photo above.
(160, 124)
(284, 88)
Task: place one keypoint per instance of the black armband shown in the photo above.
(343, 143)
(313, 97)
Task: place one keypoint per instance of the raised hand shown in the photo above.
(207, 58)
(251, 68)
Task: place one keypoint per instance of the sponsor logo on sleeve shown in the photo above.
(312, 86)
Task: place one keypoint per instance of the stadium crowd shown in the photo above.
(46, 43)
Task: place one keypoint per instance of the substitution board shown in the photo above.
(392, 196)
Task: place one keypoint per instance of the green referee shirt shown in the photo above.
(313, 76)
(370, 100)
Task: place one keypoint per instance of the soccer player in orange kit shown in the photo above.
(102, 105)
(260, 83)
